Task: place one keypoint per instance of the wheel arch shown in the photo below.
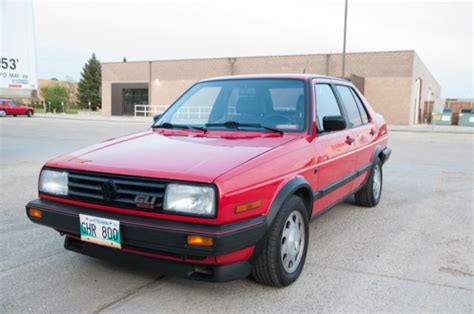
(298, 186)
(380, 154)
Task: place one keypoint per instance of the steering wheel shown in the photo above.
(276, 118)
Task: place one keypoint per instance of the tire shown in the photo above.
(369, 195)
(3, 113)
(29, 113)
(14, 115)
(269, 268)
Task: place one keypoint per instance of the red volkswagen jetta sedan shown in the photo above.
(225, 182)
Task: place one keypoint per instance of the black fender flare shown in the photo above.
(289, 189)
(383, 153)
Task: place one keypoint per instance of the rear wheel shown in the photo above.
(282, 259)
(29, 113)
(369, 195)
(3, 113)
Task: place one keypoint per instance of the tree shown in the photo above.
(71, 86)
(56, 94)
(89, 85)
(124, 59)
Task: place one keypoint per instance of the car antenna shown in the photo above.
(305, 66)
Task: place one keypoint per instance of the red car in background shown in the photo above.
(225, 182)
(10, 107)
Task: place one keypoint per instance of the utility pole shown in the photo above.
(344, 44)
(149, 83)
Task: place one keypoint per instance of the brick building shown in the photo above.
(396, 83)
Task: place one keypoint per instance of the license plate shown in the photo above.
(100, 231)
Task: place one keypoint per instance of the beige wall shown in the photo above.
(120, 73)
(388, 76)
(393, 102)
(429, 86)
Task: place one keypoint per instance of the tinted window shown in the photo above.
(360, 105)
(326, 103)
(287, 99)
(352, 111)
(276, 103)
(198, 107)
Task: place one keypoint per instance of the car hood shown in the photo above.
(172, 154)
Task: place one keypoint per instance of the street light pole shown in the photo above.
(344, 44)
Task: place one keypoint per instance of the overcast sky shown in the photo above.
(68, 32)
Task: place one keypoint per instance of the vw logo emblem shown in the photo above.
(109, 190)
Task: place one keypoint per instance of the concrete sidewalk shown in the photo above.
(392, 128)
(431, 128)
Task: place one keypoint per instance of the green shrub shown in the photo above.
(56, 94)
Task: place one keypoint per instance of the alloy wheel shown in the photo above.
(292, 241)
(377, 182)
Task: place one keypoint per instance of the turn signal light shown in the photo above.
(34, 213)
(200, 240)
(248, 206)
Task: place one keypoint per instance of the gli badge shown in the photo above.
(145, 201)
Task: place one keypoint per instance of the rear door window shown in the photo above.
(326, 104)
(353, 113)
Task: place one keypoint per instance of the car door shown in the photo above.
(333, 150)
(12, 107)
(363, 131)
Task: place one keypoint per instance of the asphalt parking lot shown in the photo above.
(413, 252)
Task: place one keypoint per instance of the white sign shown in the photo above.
(17, 48)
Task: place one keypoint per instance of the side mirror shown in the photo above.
(156, 117)
(334, 123)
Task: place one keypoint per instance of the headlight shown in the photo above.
(190, 199)
(53, 182)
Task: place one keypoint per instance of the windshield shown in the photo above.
(250, 103)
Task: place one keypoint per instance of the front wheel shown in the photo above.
(369, 195)
(283, 256)
(29, 113)
(3, 113)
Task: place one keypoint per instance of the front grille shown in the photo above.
(122, 191)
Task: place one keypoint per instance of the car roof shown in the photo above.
(301, 76)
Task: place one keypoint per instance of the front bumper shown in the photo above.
(161, 243)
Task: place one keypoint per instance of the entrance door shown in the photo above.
(132, 97)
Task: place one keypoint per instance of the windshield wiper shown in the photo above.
(168, 125)
(236, 125)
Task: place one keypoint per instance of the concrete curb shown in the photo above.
(84, 117)
(452, 129)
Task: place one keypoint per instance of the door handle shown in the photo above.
(372, 132)
(350, 140)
